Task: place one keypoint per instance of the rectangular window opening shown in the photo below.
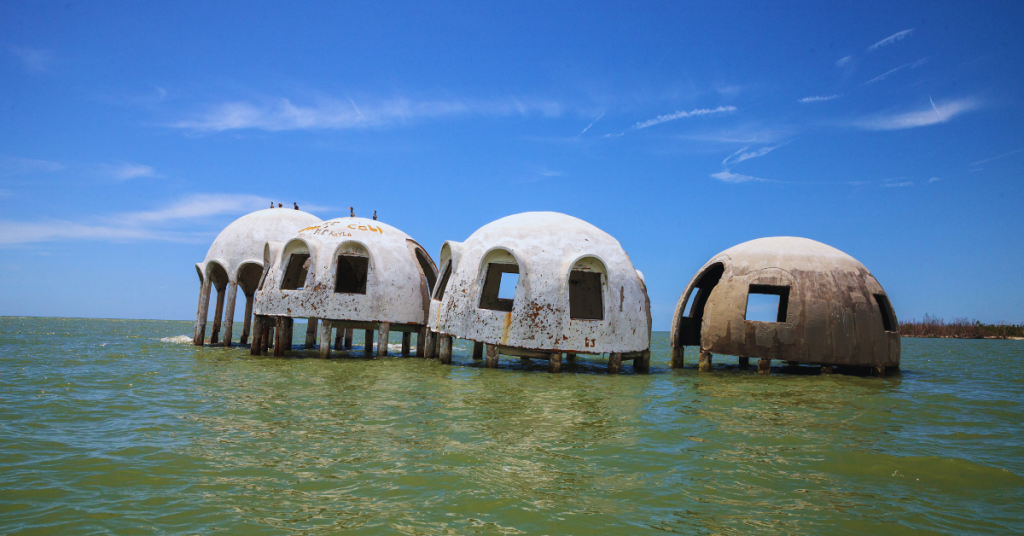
(886, 310)
(767, 303)
(351, 274)
(585, 300)
(500, 287)
(295, 274)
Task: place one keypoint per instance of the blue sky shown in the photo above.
(131, 133)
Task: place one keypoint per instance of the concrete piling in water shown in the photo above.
(229, 313)
(368, 343)
(325, 339)
(445, 349)
(614, 362)
(202, 311)
(744, 362)
(430, 350)
(555, 362)
(257, 337)
(420, 339)
(478, 350)
(826, 369)
(492, 356)
(677, 357)
(764, 366)
(642, 364)
(348, 338)
(311, 328)
(382, 339)
(570, 357)
(279, 341)
(217, 313)
(406, 343)
(704, 365)
(247, 325)
(338, 339)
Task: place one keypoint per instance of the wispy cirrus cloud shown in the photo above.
(125, 171)
(898, 36)
(11, 165)
(681, 114)
(898, 184)
(743, 154)
(884, 75)
(197, 206)
(33, 59)
(584, 131)
(736, 178)
(282, 114)
(819, 98)
(931, 116)
(842, 62)
(997, 157)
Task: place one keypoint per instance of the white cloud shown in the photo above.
(898, 36)
(199, 206)
(680, 115)
(843, 61)
(281, 114)
(898, 184)
(549, 173)
(1004, 155)
(933, 179)
(34, 60)
(882, 76)
(740, 155)
(930, 116)
(127, 171)
(727, 176)
(52, 230)
(591, 124)
(819, 98)
(10, 165)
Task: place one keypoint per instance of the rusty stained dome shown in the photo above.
(353, 269)
(542, 281)
(829, 309)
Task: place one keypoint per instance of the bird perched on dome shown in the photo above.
(296, 205)
(374, 215)
(351, 212)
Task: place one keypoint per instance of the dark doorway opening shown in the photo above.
(689, 325)
(428, 270)
(585, 301)
(499, 289)
(444, 281)
(351, 275)
(888, 316)
(295, 274)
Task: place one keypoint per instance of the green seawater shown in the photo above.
(112, 427)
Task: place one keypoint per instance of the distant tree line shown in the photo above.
(959, 328)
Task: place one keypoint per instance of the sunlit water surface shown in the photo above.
(107, 428)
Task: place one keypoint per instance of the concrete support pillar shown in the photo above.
(478, 350)
(268, 334)
(492, 355)
(704, 365)
(614, 362)
(257, 337)
(229, 314)
(382, 339)
(642, 364)
(248, 320)
(879, 371)
(419, 341)
(201, 313)
(368, 343)
(677, 357)
(555, 362)
(325, 339)
(218, 313)
(339, 339)
(764, 366)
(281, 331)
(444, 350)
(744, 362)
(570, 357)
(430, 351)
(406, 343)
(826, 369)
(310, 334)
(348, 338)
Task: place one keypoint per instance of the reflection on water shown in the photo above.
(112, 426)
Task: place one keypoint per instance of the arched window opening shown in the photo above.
(689, 325)
(295, 274)
(586, 292)
(888, 316)
(500, 287)
(427, 267)
(439, 291)
(351, 274)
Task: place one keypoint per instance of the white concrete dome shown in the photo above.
(243, 241)
(831, 310)
(577, 290)
(353, 269)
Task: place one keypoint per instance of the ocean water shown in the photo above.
(123, 427)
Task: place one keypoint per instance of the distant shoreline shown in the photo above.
(960, 328)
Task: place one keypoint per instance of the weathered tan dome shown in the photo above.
(577, 290)
(830, 311)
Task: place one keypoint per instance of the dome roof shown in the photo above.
(243, 240)
(831, 310)
(547, 250)
(391, 285)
